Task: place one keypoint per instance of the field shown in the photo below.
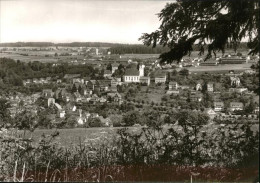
(140, 56)
(70, 137)
(29, 58)
(219, 68)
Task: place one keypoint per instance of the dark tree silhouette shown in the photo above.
(214, 23)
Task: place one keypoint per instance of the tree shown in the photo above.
(184, 72)
(213, 23)
(74, 88)
(109, 67)
(4, 113)
(152, 118)
(80, 90)
(251, 107)
(26, 121)
(94, 122)
(131, 118)
(192, 122)
(116, 120)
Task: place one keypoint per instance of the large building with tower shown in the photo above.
(136, 76)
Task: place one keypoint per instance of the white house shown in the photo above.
(160, 78)
(218, 106)
(236, 106)
(173, 85)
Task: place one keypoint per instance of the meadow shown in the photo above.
(134, 154)
(76, 136)
(219, 68)
(28, 58)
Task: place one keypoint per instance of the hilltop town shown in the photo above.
(92, 87)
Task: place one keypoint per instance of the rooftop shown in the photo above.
(132, 72)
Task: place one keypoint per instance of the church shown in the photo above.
(134, 75)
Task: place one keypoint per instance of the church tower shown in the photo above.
(141, 70)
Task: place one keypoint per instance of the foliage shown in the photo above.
(131, 118)
(212, 23)
(5, 119)
(222, 153)
(94, 122)
(137, 49)
(26, 120)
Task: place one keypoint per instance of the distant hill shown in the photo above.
(115, 48)
(73, 44)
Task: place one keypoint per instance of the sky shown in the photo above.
(114, 21)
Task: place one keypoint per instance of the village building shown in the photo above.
(61, 112)
(250, 71)
(238, 90)
(145, 80)
(47, 93)
(232, 60)
(77, 97)
(114, 97)
(160, 78)
(199, 86)
(196, 96)
(210, 112)
(236, 106)
(173, 85)
(77, 80)
(114, 67)
(50, 101)
(218, 106)
(210, 87)
(184, 87)
(90, 85)
(235, 81)
(107, 73)
(209, 63)
(133, 75)
(173, 92)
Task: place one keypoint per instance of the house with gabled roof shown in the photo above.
(210, 87)
(107, 73)
(196, 96)
(235, 81)
(131, 76)
(160, 78)
(210, 112)
(114, 67)
(236, 106)
(173, 85)
(115, 97)
(104, 84)
(90, 85)
(145, 80)
(77, 97)
(47, 93)
(61, 112)
(218, 106)
(199, 86)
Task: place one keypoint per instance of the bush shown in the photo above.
(155, 153)
(94, 122)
